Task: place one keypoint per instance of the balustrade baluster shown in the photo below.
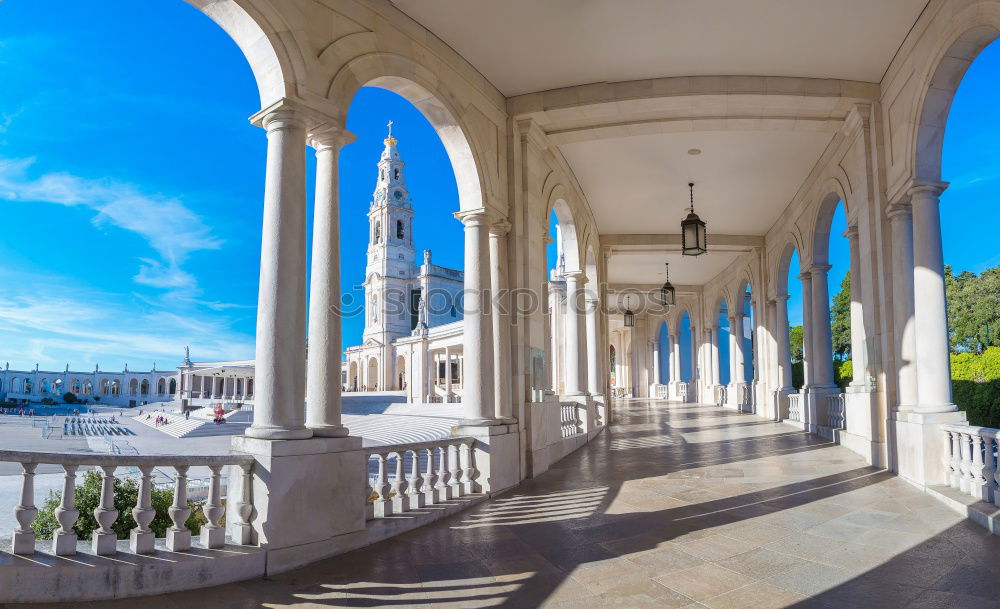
(428, 487)
(141, 538)
(104, 541)
(383, 507)
(178, 535)
(468, 468)
(966, 441)
(416, 499)
(64, 538)
(400, 500)
(454, 485)
(243, 531)
(956, 460)
(441, 486)
(23, 541)
(213, 535)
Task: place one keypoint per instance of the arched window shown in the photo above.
(395, 173)
(88, 388)
(378, 232)
(105, 386)
(116, 387)
(57, 387)
(27, 386)
(399, 229)
(133, 387)
(144, 387)
(161, 387)
(173, 386)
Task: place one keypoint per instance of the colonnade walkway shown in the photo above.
(675, 505)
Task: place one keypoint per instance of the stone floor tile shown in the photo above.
(936, 599)
(760, 563)
(716, 547)
(759, 595)
(704, 581)
(810, 578)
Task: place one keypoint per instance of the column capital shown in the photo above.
(328, 136)
(899, 210)
(578, 276)
(851, 232)
(500, 227)
(805, 275)
(819, 269)
(931, 187)
(474, 217)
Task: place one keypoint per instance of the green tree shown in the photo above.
(70, 398)
(88, 496)
(973, 309)
(840, 321)
(795, 342)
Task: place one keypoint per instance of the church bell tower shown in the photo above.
(391, 269)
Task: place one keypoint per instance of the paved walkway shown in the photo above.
(674, 506)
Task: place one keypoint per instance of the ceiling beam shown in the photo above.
(697, 103)
(624, 244)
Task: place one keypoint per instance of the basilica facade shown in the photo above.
(413, 312)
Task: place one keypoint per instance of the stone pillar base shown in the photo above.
(63, 544)
(23, 543)
(213, 538)
(497, 456)
(920, 445)
(291, 509)
(141, 543)
(178, 540)
(104, 544)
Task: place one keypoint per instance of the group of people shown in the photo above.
(159, 420)
(18, 411)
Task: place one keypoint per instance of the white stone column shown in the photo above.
(675, 358)
(859, 353)
(901, 221)
(716, 368)
(281, 301)
(573, 349)
(784, 347)
(448, 381)
(594, 355)
(502, 377)
(929, 308)
(323, 401)
(822, 339)
(737, 374)
(655, 347)
(477, 396)
(808, 360)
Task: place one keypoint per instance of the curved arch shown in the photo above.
(558, 204)
(434, 100)
(973, 29)
(261, 32)
(820, 249)
(783, 262)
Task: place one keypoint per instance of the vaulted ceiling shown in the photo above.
(626, 88)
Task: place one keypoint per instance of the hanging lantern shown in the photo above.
(668, 295)
(629, 316)
(694, 240)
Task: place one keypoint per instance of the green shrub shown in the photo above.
(975, 384)
(798, 375)
(70, 398)
(843, 373)
(88, 498)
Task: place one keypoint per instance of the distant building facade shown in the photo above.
(128, 388)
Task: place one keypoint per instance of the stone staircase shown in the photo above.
(177, 426)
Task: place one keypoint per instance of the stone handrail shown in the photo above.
(141, 539)
(795, 407)
(836, 411)
(405, 492)
(970, 460)
(569, 419)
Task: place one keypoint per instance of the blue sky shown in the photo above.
(131, 183)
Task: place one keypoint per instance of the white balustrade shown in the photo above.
(721, 395)
(836, 411)
(970, 460)
(795, 407)
(682, 391)
(661, 391)
(448, 473)
(569, 421)
(141, 539)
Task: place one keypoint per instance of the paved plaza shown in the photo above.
(673, 506)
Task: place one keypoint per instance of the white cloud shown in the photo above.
(170, 228)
